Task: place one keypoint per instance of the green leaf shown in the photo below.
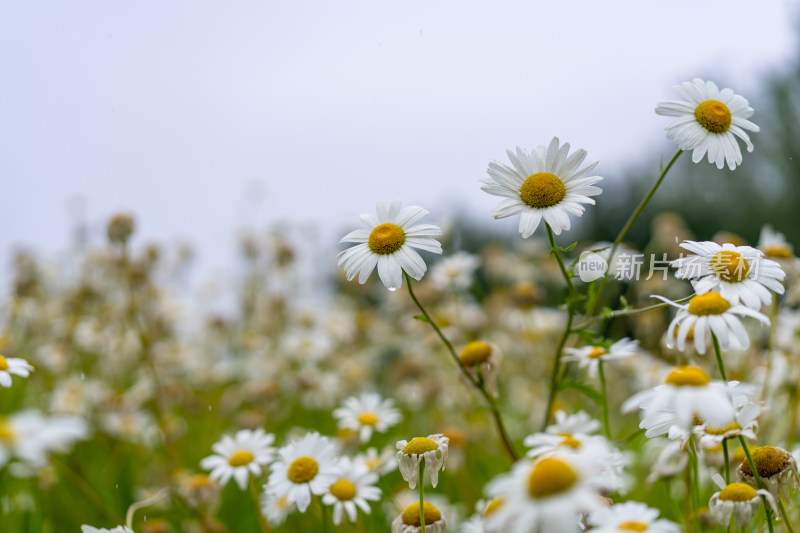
(421, 318)
(567, 249)
(592, 394)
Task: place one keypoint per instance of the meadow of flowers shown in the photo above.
(537, 387)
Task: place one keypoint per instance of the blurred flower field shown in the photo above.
(509, 388)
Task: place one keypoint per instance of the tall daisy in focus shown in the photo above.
(708, 122)
(388, 242)
(351, 491)
(547, 183)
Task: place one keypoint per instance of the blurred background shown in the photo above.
(204, 120)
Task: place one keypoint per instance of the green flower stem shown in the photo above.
(478, 384)
(561, 266)
(720, 364)
(421, 495)
(629, 224)
(262, 522)
(785, 516)
(606, 423)
(727, 461)
(555, 377)
(627, 312)
(759, 482)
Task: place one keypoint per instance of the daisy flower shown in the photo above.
(709, 312)
(481, 360)
(275, 509)
(546, 183)
(708, 121)
(630, 516)
(580, 422)
(774, 244)
(547, 494)
(738, 273)
(30, 436)
(352, 490)
(431, 449)
(247, 452)
(687, 393)
(591, 356)
(776, 467)
(380, 463)
(410, 520)
(367, 413)
(744, 423)
(303, 468)
(739, 500)
(388, 242)
(455, 272)
(13, 365)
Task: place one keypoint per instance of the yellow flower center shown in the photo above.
(3, 363)
(570, 441)
(688, 376)
(475, 353)
(768, 460)
(199, 481)
(542, 190)
(386, 238)
(721, 430)
(738, 492)
(241, 458)
(596, 352)
(6, 433)
(729, 266)
(550, 476)
(710, 303)
(367, 418)
(714, 116)
(373, 463)
(632, 525)
(778, 251)
(411, 514)
(343, 490)
(420, 445)
(493, 506)
(302, 470)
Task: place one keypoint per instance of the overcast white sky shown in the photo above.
(201, 117)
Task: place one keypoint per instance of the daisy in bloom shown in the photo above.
(378, 462)
(352, 490)
(410, 520)
(739, 500)
(118, 529)
(630, 516)
(546, 183)
(591, 356)
(477, 523)
(744, 423)
(687, 393)
(737, 273)
(388, 242)
(29, 436)
(303, 468)
(431, 449)
(708, 121)
(709, 312)
(548, 494)
(481, 360)
(247, 452)
(774, 244)
(776, 467)
(13, 365)
(455, 272)
(367, 413)
(275, 509)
